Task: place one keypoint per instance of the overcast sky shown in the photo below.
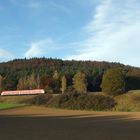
(102, 30)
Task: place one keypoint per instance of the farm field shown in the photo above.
(39, 123)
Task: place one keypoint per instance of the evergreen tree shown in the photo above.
(1, 83)
(32, 81)
(56, 82)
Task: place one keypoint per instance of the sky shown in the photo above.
(101, 30)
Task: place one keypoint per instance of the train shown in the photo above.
(23, 92)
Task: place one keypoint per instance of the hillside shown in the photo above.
(13, 71)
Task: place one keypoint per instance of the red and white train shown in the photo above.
(23, 92)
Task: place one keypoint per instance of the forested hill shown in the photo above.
(43, 69)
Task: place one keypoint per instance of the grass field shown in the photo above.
(15, 99)
(9, 105)
(129, 102)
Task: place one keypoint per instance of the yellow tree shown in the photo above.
(56, 75)
(80, 82)
(113, 82)
(63, 84)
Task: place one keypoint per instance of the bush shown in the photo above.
(70, 90)
(82, 102)
(57, 101)
(48, 90)
(38, 100)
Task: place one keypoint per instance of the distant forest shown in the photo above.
(41, 72)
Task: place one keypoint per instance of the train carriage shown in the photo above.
(23, 92)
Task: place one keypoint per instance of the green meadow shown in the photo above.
(9, 105)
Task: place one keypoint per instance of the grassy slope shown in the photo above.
(15, 99)
(128, 102)
(8, 102)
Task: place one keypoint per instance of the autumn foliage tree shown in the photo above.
(23, 83)
(80, 82)
(56, 75)
(27, 82)
(63, 84)
(113, 82)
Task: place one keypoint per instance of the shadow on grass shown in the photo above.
(68, 128)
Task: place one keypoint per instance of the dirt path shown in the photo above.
(40, 123)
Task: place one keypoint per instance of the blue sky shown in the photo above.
(103, 30)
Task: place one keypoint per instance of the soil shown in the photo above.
(41, 123)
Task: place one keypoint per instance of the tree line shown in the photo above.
(55, 75)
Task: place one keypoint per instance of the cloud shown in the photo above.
(113, 33)
(39, 48)
(5, 55)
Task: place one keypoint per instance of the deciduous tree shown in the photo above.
(113, 81)
(80, 82)
(63, 84)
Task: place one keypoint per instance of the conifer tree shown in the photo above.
(56, 82)
(1, 83)
(32, 81)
